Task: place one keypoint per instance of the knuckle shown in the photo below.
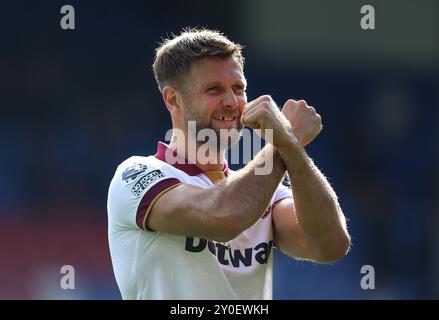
(265, 105)
(258, 112)
(302, 103)
(264, 110)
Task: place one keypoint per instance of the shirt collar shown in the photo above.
(189, 168)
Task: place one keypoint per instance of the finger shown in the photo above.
(246, 118)
(250, 111)
(290, 101)
(319, 119)
(254, 109)
(252, 119)
(259, 110)
(253, 104)
(290, 105)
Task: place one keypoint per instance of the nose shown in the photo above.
(230, 100)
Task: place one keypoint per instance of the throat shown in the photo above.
(215, 176)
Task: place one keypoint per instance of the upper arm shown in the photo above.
(186, 210)
(146, 195)
(288, 235)
(135, 186)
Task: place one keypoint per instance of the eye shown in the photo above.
(213, 90)
(239, 88)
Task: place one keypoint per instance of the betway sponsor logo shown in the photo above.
(228, 256)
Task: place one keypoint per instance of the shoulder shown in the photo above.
(137, 179)
(136, 166)
(139, 172)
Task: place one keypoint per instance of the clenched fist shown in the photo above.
(263, 113)
(305, 121)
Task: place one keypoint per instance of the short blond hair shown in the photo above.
(174, 57)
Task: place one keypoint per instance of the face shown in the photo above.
(214, 96)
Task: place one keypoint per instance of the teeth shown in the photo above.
(225, 118)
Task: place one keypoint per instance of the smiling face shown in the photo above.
(213, 95)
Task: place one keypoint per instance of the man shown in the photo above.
(182, 230)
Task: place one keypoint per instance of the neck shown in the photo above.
(205, 157)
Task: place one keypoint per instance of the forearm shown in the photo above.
(318, 211)
(246, 195)
(224, 211)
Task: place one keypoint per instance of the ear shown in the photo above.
(172, 100)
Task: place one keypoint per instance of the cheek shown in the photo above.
(211, 105)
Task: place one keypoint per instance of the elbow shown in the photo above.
(225, 225)
(228, 233)
(336, 251)
(226, 229)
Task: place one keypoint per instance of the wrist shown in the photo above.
(291, 148)
(278, 160)
(290, 142)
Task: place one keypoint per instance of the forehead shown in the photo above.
(215, 69)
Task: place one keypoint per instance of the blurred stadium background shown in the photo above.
(75, 103)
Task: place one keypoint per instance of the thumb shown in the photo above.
(251, 120)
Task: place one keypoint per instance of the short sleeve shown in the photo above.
(135, 187)
(282, 192)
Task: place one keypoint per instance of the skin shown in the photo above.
(311, 227)
(217, 89)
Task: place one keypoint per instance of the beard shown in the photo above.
(224, 138)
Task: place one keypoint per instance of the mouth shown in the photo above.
(225, 119)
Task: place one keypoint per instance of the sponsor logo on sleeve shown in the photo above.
(145, 181)
(133, 171)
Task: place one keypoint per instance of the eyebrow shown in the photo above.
(216, 83)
